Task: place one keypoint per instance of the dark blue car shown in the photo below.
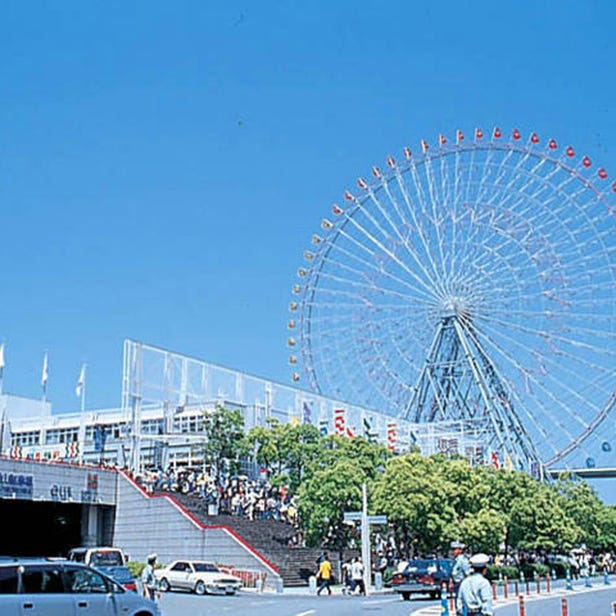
(423, 575)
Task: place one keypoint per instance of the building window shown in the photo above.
(61, 435)
(20, 439)
(153, 426)
(188, 423)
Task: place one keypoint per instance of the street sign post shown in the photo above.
(366, 521)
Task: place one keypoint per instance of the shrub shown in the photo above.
(388, 574)
(135, 568)
(532, 570)
(560, 569)
(495, 572)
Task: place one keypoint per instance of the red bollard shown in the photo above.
(505, 587)
(614, 607)
(522, 606)
(452, 606)
(516, 588)
(493, 591)
(548, 584)
(538, 580)
(564, 608)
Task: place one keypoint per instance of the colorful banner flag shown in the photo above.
(495, 460)
(72, 449)
(307, 409)
(323, 427)
(340, 422)
(392, 435)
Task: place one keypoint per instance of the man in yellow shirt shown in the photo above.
(325, 574)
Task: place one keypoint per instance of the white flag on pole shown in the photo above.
(81, 381)
(2, 362)
(45, 373)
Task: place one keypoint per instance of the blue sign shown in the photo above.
(16, 485)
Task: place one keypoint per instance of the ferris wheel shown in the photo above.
(474, 280)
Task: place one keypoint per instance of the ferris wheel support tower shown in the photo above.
(458, 381)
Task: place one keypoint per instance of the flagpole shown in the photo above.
(3, 429)
(44, 377)
(80, 389)
(2, 362)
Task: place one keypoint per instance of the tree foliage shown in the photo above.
(224, 432)
(429, 501)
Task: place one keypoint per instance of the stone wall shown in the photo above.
(146, 524)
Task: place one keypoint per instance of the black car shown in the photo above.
(423, 575)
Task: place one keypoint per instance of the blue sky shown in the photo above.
(163, 165)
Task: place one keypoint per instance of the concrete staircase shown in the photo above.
(269, 537)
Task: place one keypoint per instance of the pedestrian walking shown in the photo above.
(347, 580)
(475, 593)
(357, 575)
(324, 574)
(148, 579)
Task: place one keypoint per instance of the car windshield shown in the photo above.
(421, 565)
(107, 558)
(121, 574)
(429, 565)
(206, 567)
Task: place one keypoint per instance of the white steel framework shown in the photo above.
(475, 279)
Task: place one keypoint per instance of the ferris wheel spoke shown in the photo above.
(417, 226)
(375, 264)
(429, 279)
(521, 407)
(530, 382)
(551, 341)
(570, 374)
(358, 279)
(429, 216)
(389, 253)
(437, 215)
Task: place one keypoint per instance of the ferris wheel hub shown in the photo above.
(455, 306)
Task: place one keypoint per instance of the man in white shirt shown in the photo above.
(357, 575)
(475, 593)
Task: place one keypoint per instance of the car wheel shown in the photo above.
(200, 588)
(164, 585)
(406, 596)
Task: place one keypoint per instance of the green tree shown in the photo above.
(540, 522)
(416, 497)
(225, 444)
(371, 457)
(484, 531)
(300, 444)
(267, 445)
(594, 519)
(323, 499)
(284, 449)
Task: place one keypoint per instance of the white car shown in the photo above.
(198, 576)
